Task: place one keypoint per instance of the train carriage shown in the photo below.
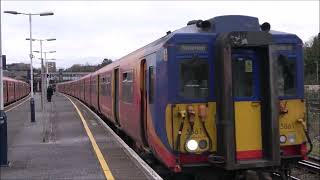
(82, 89)
(77, 89)
(87, 89)
(105, 94)
(5, 91)
(10, 90)
(223, 93)
(94, 90)
(14, 90)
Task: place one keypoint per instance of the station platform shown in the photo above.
(67, 141)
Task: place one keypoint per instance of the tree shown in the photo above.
(87, 67)
(311, 51)
(81, 68)
(105, 62)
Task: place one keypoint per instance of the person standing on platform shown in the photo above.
(49, 93)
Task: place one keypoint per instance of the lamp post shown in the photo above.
(42, 63)
(3, 117)
(43, 82)
(32, 109)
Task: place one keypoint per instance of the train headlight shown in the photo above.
(292, 138)
(283, 139)
(192, 145)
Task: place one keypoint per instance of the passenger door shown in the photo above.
(116, 96)
(144, 101)
(247, 104)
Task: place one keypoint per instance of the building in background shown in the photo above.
(62, 76)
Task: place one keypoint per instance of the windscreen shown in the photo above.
(194, 75)
(286, 76)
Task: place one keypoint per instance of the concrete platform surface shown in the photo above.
(57, 145)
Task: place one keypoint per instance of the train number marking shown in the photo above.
(195, 131)
(287, 126)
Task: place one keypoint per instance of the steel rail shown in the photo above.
(291, 177)
(310, 166)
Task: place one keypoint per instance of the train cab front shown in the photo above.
(224, 106)
(190, 113)
(223, 110)
(236, 99)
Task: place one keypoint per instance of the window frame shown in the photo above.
(291, 56)
(125, 83)
(255, 77)
(182, 59)
(108, 85)
(102, 84)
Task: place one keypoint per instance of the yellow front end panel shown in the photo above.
(290, 121)
(204, 129)
(248, 126)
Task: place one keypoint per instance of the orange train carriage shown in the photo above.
(14, 90)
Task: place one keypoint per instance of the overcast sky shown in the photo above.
(87, 32)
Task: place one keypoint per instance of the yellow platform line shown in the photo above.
(95, 146)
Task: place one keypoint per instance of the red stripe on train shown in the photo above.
(247, 155)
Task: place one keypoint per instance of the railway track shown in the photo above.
(314, 106)
(291, 177)
(310, 166)
(307, 166)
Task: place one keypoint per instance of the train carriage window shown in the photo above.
(127, 86)
(108, 85)
(242, 77)
(286, 76)
(194, 75)
(151, 84)
(93, 87)
(103, 86)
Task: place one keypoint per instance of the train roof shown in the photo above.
(219, 24)
(139, 53)
(227, 23)
(86, 76)
(11, 79)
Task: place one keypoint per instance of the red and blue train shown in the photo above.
(224, 93)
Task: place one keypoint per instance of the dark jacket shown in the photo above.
(49, 91)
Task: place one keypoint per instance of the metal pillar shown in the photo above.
(47, 69)
(32, 109)
(3, 117)
(42, 78)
